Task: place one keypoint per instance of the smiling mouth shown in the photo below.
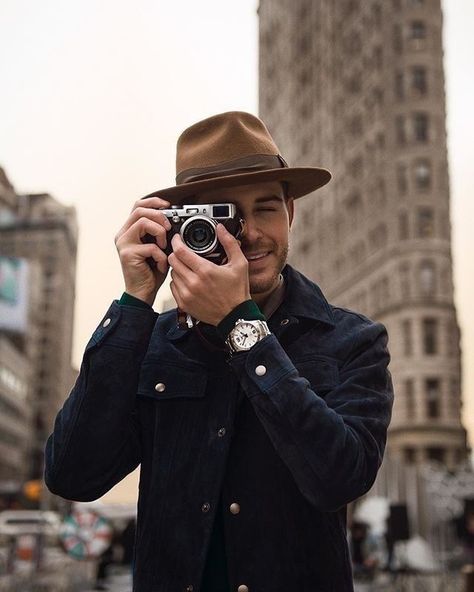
(257, 257)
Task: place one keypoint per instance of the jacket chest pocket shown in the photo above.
(321, 373)
(166, 380)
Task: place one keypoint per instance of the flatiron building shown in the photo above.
(358, 87)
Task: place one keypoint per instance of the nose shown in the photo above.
(250, 230)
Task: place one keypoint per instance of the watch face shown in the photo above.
(244, 335)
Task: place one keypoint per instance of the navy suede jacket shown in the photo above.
(277, 453)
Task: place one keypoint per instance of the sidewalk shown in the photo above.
(116, 582)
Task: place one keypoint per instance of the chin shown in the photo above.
(260, 286)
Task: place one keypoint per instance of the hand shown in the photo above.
(204, 290)
(141, 280)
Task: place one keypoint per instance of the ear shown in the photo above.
(290, 206)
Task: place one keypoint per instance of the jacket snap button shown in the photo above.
(284, 322)
(189, 588)
(205, 507)
(234, 508)
(106, 323)
(260, 370)
(160, 387)
(243, 588)
(221, 432)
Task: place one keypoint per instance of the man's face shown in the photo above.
(264, 242)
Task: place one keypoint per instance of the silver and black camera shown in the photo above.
(197, 226)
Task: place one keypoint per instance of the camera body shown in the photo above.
(197, 226)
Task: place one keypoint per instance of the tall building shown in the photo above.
(39, 229)
(358, 87)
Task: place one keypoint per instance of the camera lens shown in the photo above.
(199, 234)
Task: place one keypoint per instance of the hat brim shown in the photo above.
(300, 180)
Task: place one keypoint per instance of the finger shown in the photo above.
(181, 268)
(193, 261)
(176, 295)
(149, 214)
(229, 242)
(151, 202)
(178, 279)
(142, 252)
(141, 227)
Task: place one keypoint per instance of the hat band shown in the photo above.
(246, 164)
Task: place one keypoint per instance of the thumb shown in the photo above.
(229, 242)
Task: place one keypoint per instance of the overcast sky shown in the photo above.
(94, 95)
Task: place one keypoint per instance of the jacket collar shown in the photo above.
(305, 299)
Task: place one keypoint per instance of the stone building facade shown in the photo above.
(358, 87)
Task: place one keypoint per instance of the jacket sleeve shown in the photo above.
(96, 437)
(332, 446)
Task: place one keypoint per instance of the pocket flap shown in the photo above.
(167, 380)
(321, 373)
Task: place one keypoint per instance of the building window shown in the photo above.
(430, 336)
(432, 387)
(356, 167)
(403, 225)
(409, 455)
(407, 337)
(355, 126)
(420, 127)
(410, 398)
(453, 339)
(304, 44)
(354, 84)
(399, 86)
(397, 39)
(435, 453)
(400, 130)
(418, 80)
(378, 58)
(402, 180)
(354, 208)
(427, 279)
(377, 14)
(425, 223)
(422, 170)
(353, 44)
(417, 30)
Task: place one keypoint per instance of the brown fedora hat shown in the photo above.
(234, 148)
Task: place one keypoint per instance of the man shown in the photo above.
(255, 427)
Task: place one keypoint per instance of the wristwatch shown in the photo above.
(246, 334)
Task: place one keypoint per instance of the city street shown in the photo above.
(116, 582)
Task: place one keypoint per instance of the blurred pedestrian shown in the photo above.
(365, 551)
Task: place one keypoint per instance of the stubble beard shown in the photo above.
(260, 286)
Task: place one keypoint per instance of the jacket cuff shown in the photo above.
(129, 300)
(262, 367)
(247, 310)
(125, 326)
